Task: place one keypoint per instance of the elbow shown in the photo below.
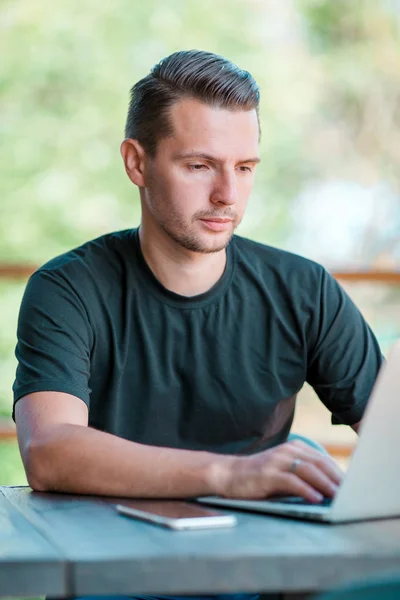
(37, 467)
(36, 484)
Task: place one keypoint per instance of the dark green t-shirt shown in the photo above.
(219, 371)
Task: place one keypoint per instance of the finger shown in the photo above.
(316, 477)
(324, 462)
(329, 467)
(289, 484)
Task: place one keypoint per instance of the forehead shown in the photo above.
(200, 126)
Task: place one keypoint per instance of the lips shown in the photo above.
(218, 220)
(216, 224)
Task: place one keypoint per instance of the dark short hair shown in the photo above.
(204, 76)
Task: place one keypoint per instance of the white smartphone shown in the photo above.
(175, 514)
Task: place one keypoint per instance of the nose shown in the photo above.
(225, 189)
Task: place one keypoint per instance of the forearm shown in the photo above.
(78, 459)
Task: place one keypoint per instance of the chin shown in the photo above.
(200, 241)
(201, 244)
(206, 244)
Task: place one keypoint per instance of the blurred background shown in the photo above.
(329, 184)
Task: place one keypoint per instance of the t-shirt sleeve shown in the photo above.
(344, 357)
(54, 339)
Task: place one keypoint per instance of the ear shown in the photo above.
(134, 158)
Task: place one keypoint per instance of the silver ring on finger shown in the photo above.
(295, 464)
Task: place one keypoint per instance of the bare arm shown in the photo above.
(61, 453)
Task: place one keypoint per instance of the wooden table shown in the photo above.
(58, 544)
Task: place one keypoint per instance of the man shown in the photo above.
(164, 361)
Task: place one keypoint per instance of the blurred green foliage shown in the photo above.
(64, 82)
(10, 299)
(11, 469)
(329, 73)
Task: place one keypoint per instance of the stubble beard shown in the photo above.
(182, 234)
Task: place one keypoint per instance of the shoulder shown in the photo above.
(103, 250)
(95, 264)
(276, 263)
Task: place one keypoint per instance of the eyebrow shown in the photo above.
(211, 158)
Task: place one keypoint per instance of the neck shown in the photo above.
(179, 270)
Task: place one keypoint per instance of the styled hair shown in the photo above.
(196, 74)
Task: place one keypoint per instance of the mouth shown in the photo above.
(217, 223)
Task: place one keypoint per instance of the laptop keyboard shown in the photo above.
(298, 501)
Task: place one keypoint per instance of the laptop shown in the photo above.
(370, 488)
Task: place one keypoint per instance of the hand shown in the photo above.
(290, 469)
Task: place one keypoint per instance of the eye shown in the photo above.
(245, 169)
(197, 167)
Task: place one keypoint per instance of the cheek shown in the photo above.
(178, 183)
(190, 189)
(244, 190)
(167, 192)
(182, 195)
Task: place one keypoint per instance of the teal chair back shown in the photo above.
(387, 588)
(307, 440)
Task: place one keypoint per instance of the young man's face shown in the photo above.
(199, 181)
